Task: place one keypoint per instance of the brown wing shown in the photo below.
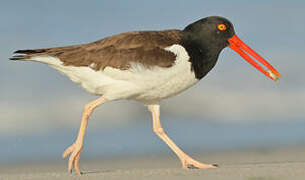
(145, 47)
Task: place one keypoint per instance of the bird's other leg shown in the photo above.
(76, 148)
(186, 160)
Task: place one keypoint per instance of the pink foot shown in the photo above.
(75, 150)
(189, 163)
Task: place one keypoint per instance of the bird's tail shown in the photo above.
(36, 54)
(28, 54)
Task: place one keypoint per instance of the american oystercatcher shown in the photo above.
(146, 66)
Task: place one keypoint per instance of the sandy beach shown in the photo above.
(262, 164)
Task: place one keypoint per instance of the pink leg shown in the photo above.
(186, 160)
(76, 148)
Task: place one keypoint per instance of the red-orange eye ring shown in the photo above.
(222, 27)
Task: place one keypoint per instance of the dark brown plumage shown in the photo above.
(145, 47)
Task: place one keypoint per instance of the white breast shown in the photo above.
(138, 82)
(162, 83)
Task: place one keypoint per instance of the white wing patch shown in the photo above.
(92, 65)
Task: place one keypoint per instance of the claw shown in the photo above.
(216, 165)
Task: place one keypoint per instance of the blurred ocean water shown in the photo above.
(137, 139)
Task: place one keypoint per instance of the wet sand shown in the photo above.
(262, 164)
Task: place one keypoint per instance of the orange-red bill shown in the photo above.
(241, 48)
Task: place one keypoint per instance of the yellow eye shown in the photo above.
(222, 27)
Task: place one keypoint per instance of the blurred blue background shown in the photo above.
(234, 106)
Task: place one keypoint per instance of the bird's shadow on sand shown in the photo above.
(97, 172)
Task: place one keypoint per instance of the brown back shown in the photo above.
(145, 47)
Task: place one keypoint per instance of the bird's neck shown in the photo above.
(203, 57)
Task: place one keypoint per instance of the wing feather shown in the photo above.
(118, 51)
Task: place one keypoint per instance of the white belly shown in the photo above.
(164, 83)
(138, 83)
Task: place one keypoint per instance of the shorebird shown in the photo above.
(146, 66)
